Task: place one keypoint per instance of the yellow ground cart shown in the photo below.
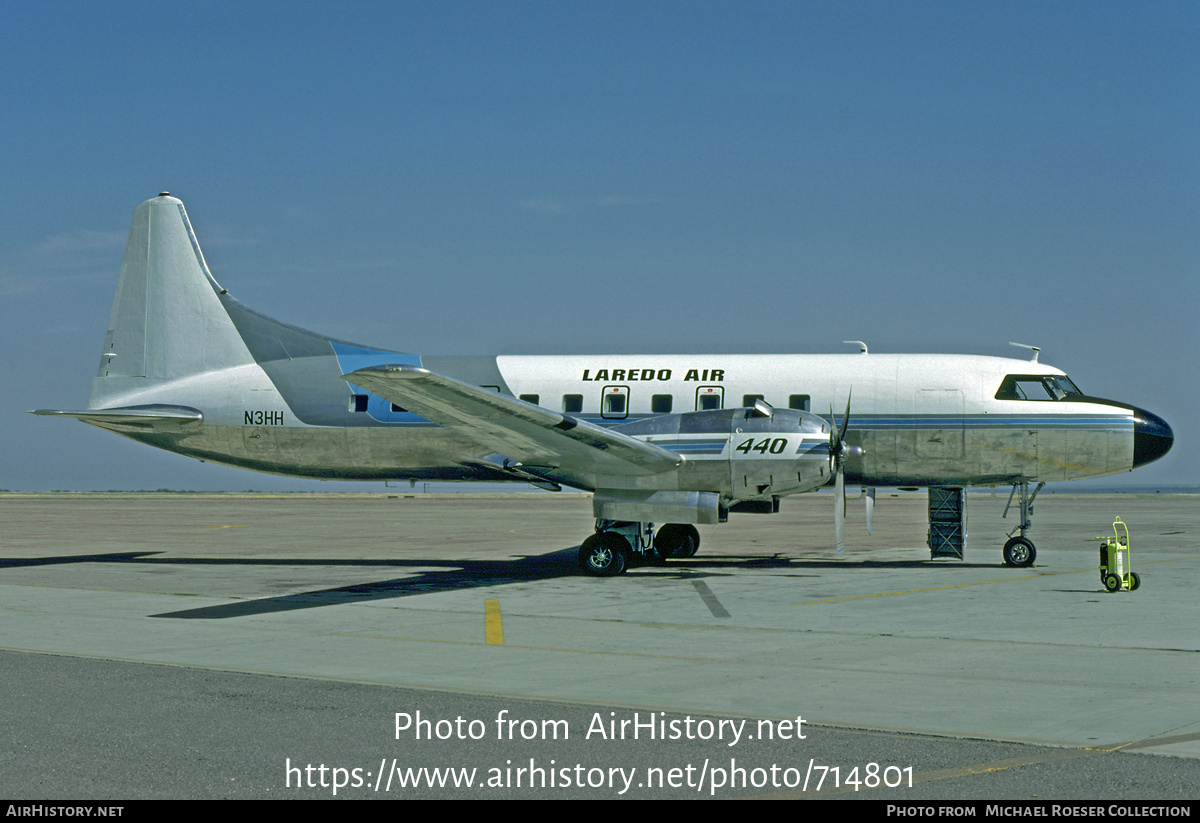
(1115, 567)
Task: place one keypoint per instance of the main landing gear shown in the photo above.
(616, 544)
(1019, 550)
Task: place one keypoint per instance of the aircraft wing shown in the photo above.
(535, 437)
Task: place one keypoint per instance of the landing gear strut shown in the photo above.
(1019, 550)
(617, 543)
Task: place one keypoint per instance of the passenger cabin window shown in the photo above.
(398, 408)
(358, 402)
(748, 399)
(530, 398)
(801, 402)
(661, 404)
(572, 403)
(1041, 387)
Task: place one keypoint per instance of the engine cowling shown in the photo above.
(743, 454)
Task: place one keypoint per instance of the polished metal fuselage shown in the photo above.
(916, 419)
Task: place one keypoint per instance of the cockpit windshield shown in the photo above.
(1046, 387)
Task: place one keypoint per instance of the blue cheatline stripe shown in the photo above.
(980, 421)
(809, 448)
(992, 421)
(685, 448)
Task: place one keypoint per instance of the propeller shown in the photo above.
(837, 464)
(838, 451)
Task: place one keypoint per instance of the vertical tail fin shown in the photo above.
(167, 321)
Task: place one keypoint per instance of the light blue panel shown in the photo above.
(352, 358)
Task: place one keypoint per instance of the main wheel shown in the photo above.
(677, 540)
(1112, 582)
(604, 554)
(1019, 552)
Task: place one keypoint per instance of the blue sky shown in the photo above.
(503, 177)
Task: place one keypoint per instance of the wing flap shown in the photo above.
(520, 431)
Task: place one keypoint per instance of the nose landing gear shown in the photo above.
(1019, 551)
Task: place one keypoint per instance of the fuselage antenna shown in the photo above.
(1035, 349)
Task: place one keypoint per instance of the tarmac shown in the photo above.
(256, 645)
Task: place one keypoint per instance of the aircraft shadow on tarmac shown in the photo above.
(458, 575)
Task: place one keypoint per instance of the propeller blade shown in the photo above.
(845, 420)
(837, 462)
(870, 507)
(839, 508)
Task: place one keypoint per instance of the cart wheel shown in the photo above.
(1112, 582)
(1134, 581)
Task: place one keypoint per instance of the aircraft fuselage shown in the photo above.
(919, 420)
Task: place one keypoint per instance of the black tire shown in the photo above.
(1134, 581)
(676, 540)
(1019, 552)
(693, 545)
(604, 554)
(1112, 582)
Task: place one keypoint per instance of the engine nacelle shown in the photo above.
(743, 454)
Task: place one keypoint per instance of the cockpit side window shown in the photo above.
(1065, 385)
(1042, 387)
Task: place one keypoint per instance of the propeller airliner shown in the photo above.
(676, 440)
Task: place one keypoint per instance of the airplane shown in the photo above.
(678, 440)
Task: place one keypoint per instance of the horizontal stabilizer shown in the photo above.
(521, 431)
(153, 416)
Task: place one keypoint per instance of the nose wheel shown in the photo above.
(1019, 552)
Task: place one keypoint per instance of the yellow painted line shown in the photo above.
(931, 588)
(978, 583)
(988, 767)
(493, 630)
(1153, 742)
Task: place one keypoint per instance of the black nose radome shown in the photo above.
(1152, 437)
